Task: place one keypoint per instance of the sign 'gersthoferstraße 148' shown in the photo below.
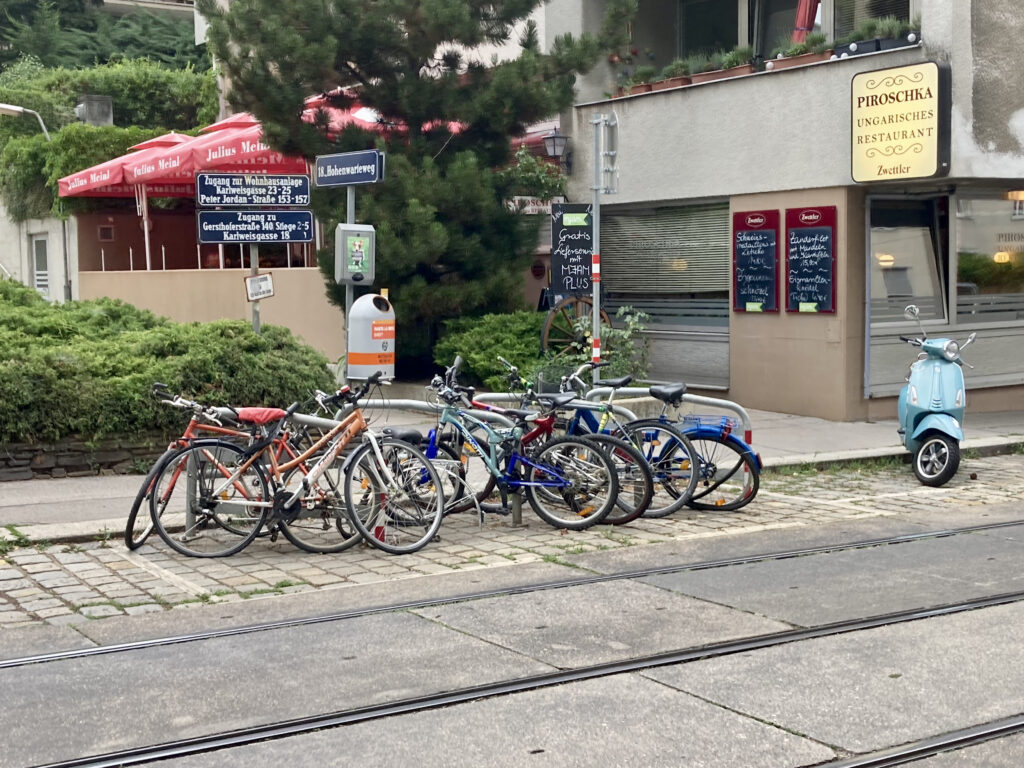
(255, 226)
(250, 189)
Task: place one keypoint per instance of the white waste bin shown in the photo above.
(371, 337)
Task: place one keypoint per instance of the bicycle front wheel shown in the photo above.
(318, 522)
(636, 484)
(669, 455)
(140, 521)
(395, 500)
(571, 483)
(728, 475)
(204, 505)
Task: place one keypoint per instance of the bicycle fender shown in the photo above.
(713, 433)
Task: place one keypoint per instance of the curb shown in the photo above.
(984, 446)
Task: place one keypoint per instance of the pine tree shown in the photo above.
(447, 245)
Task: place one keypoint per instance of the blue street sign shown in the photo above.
(255, 226)
(235, 189)
(364, 167)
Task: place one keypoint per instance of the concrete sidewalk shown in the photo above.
(90, 508)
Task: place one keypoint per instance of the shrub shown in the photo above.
(84, 369)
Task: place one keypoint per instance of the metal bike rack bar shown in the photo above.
(714, 402)
(502, 397)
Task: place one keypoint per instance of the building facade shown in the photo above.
(775, 224)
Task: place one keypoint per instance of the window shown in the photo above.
(907, 259)
(850, 14)
(776, 25)
(990, 262)
(40, 266)
(707, 25)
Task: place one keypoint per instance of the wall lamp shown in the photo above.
(556, 145)
(12, 111)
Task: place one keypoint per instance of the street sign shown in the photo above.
(259, 286)
(245, 189)
(341, 170)
(255, 227)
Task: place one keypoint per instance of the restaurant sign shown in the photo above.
(900, 123)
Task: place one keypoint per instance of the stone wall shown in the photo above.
(76, 458)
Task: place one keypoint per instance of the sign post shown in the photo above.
(606, 175)
(347, 169)
(255, 223)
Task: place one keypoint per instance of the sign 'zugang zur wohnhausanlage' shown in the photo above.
(900, 123)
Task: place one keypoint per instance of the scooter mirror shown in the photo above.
(970, 338)
(911, 312)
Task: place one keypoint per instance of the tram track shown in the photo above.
(309, 724)
(503, 592)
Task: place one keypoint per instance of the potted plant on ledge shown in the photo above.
(675, 74)
(813, 48)
(642, 77)
(877, 35)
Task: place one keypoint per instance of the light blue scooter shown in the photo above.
(931, 405)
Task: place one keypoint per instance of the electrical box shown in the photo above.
(355, 250)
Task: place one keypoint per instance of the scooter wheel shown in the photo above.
(937, 460)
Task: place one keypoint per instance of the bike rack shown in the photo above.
(714, 402)
(502, 397)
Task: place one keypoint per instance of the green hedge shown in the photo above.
(85, 369)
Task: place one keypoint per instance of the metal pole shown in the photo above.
(350, 218)
(254, 269)
(598, 123)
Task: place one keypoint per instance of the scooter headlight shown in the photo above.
(951, 351)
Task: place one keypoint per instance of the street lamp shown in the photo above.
(12, 111)
(556, 145)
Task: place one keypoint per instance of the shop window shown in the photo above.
(990, 262)
(776, 25)
(907, 259)
(850, 14)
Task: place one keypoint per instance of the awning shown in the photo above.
(109, 180)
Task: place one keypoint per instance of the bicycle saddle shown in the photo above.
(615, 383)
(669, 393)
(406, 434)
(260, 415)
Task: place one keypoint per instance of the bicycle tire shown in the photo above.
(452, 471)
(191, 517)
(137, 530)
(593, 483)
(399, 514)
(669, 455)
(320, 522)
(478, 482)
(636, 483)
(729, 474)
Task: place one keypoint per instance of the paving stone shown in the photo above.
(99, 611)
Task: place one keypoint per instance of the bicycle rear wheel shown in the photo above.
(196, 511)
(319, 522)
(636, 484)
(396, 504)
(669, 456)
(574, 484)
(728, 477)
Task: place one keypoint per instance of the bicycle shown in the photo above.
(728, 474)
(392, 493)
(569, 482)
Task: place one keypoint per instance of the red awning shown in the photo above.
(109, 180)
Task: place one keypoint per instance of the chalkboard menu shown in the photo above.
(755, 261)
(811, 259)
(572, 247)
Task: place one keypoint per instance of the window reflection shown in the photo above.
(990, 263)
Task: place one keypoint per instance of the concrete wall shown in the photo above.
(299, 300)
(16, 253)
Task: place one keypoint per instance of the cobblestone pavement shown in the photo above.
(72, 583)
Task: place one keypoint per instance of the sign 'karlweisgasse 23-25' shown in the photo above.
(900, 127)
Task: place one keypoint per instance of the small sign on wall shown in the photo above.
(259, 286)
(811, 259)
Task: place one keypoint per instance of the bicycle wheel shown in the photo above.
(197, 512)
(319, 521)
(636, 484)
(396, 504)
(452, 473)
(478, 482)
(728, 477)
(669, 456)
(138, 527)
(571, 483)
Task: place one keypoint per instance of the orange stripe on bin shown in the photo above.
(371, 358)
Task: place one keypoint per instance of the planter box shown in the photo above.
(672, 82)
(797, 61)
(720, 74)
(640, 88)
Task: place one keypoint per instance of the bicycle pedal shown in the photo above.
(273, 535)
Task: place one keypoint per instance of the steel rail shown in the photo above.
(297, 726)
(501, 592)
